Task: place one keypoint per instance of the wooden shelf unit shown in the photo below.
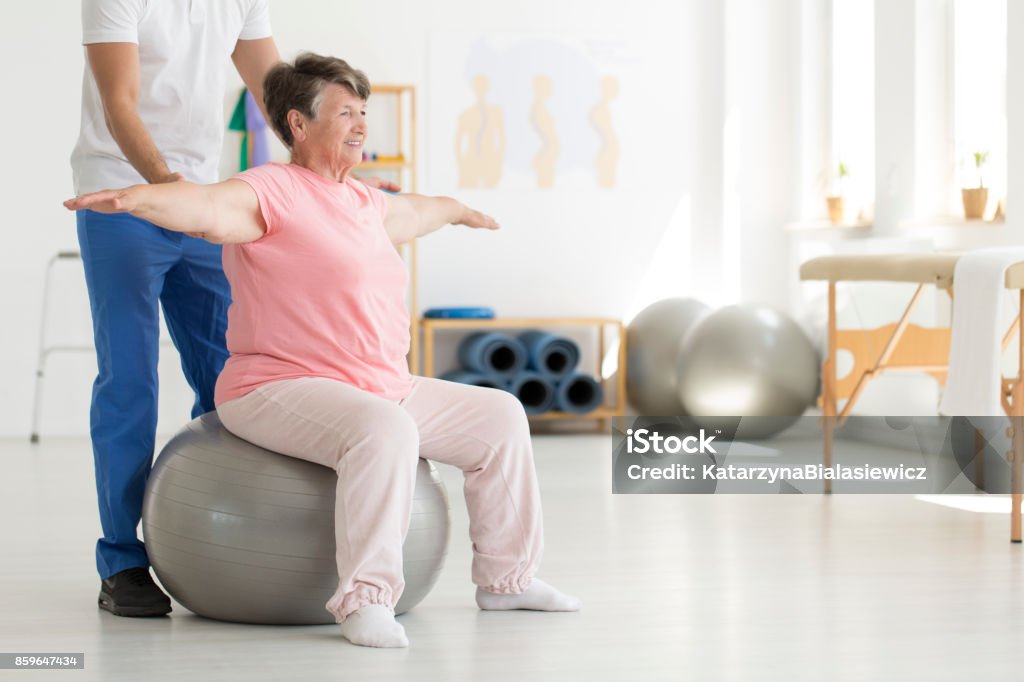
(401, 163)
(385, 165)
(614, 389)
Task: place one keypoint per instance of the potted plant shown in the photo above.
(976, 198)
(836, 209)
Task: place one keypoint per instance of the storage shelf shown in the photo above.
(614, 389)
(385, 165)
(390, 88)
(515, 322)
(600, 413)
(399, 113)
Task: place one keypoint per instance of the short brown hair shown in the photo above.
(299, 86)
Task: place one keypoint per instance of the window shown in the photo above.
(979, 109)
(853, 103)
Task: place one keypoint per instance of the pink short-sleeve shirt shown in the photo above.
(321, 294)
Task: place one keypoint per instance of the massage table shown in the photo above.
(902, 346)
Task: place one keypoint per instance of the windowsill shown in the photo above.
(942, 233)
(823, 226)
(956, 233)
(952, 221)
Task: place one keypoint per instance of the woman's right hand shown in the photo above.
(474, 218)
(104, 201)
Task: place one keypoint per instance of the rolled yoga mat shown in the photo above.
(553, 356)
(492, 353)
(475, 379)
(578, 394)
(535, 391)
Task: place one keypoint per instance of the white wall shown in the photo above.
(40, 48)
(1014, 117)
(895, 112)
(718, 102)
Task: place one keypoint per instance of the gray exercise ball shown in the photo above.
(652, 343)
(748, 360)
(243, 534)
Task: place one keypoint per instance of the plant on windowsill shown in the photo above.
(976, 198)
(836, 208)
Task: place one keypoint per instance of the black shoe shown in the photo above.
(132, 592)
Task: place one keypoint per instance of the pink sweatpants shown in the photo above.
(374, 445)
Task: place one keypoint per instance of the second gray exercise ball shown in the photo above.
(652, 343)
(243, 534)
(748, 360)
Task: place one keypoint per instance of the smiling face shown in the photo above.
(334, 139)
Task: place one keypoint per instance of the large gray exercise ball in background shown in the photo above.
(243, 534)
(652, 342)
(748, 360)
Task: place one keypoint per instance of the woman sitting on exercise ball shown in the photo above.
(319, 331)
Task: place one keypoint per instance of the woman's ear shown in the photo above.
(297, 124)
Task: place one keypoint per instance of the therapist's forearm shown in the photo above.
(131, 136)
(253, 59)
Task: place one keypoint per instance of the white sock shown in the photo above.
(539, 596)
(374, 625)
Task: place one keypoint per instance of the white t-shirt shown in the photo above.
(185, 49)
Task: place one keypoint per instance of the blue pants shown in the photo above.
(131, 267)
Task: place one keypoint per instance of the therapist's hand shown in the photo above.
(382, 184)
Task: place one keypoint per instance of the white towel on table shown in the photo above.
(974, 381)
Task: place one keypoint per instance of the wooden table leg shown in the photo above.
(979, 459)
(428, 350)
(1016, 456)
(828, 384)
(1016, 419)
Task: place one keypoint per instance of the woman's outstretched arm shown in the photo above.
(410, 216)
(225, 213)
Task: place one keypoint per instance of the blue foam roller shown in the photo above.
(460, 313)
(553, 356)
(535, 391)
(578, 394)
(492, 353)
(460, 376)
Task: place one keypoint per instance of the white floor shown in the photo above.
(797, 587)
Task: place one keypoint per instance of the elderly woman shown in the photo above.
(318, 332)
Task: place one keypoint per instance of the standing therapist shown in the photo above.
(152, 112)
